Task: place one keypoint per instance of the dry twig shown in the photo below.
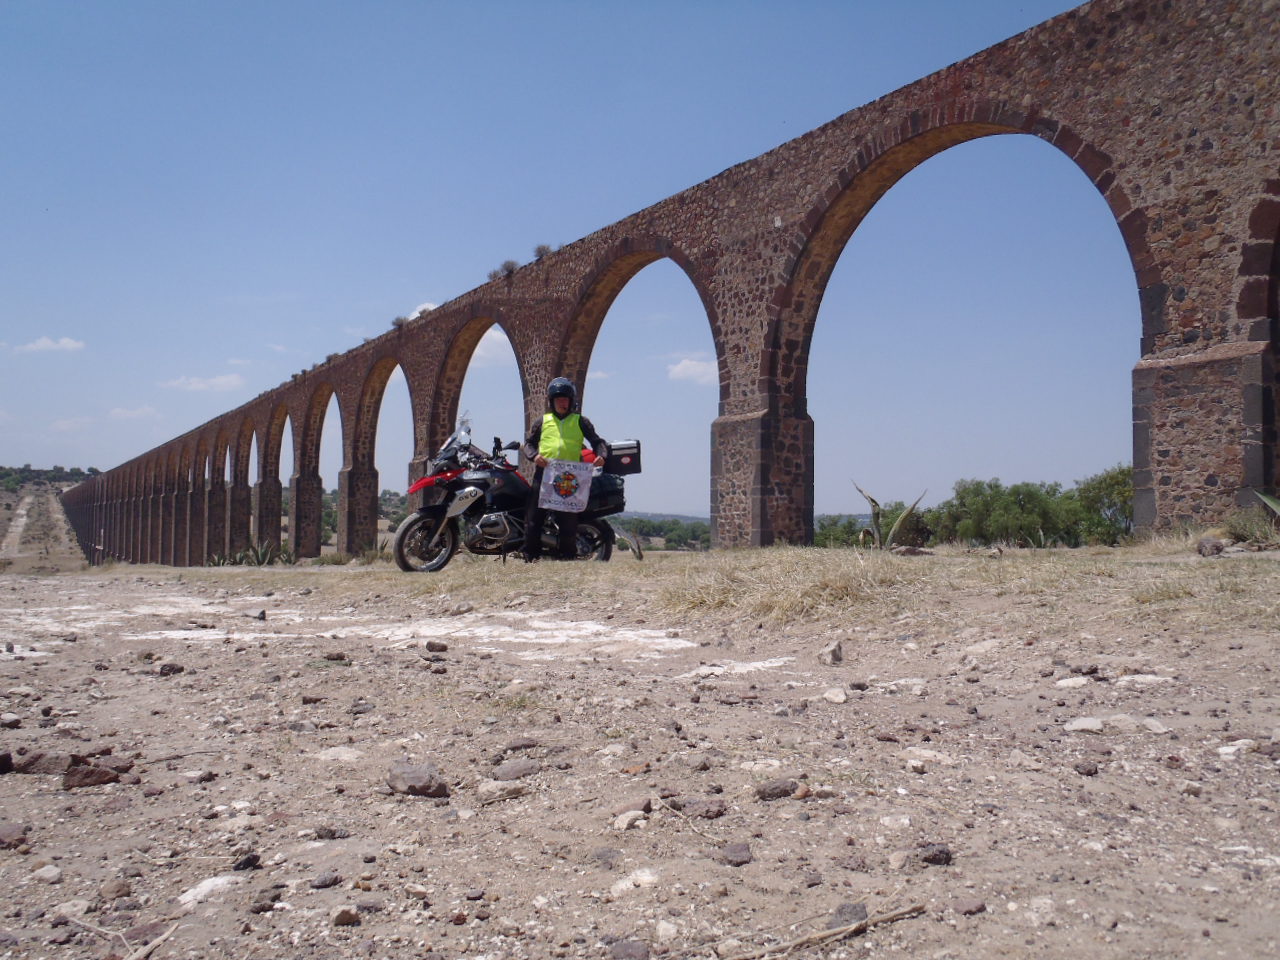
(831, 936)
(145, 951)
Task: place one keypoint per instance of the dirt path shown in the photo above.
(11, 546)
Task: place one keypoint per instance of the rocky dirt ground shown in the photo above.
(1035, 755)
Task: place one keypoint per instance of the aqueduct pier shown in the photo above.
(1170, 107)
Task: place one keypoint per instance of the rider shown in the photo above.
(559, 435)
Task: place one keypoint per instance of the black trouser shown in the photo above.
(534, 516)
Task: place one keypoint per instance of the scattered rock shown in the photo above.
(417, 780)
(326, 880)
(47, 874)
(629, 820)
(831, 654)
(835, 695)
(87, 775)
(347, 915)
(776, 789)
(1211, 546)
(38, 762)
(437, 646)
(115, 889)
(492, 791)
(969, 907)
(629, 950)
(1086, 768)
(516, 769)
(1084, 725)
(847, 914)
(10, 721)
(12, 835)
(643, 804)
(735, 854)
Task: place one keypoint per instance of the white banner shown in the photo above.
(565, 486)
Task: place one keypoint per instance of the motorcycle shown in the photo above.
(478, 500)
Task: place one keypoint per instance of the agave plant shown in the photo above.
(886, 541)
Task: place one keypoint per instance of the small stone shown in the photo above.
(437, 646)
(12, 835)
(643, 804)
(1210, 546)
(73, 908)
(968, 908)
(347, 915)
(115, 889)
(1086, 768)
(776, 789)
(835, 695)
(1069, 683)
(417, 891)
(1084, 725)
(492, 791)
(629, 820)
(47, 874)
(336, 656)
(847, 914)
(1190, 788)
(935, 854)
(831, 654)
(858, 685)
(39, 762)
(711, 808)
(326, 880)
(736, 854)
(916, 765)
(517, 769)
(250, 861)
(1154, 726)
(629, 950)
(88, 776)
(168, 669)
(417, 780)
(10, 721)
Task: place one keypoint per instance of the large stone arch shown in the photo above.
(306, 489)
(875, 165)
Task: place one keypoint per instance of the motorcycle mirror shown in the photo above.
(511, 445)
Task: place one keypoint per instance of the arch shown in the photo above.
(612, 271)
(874, 169)
(453, 371)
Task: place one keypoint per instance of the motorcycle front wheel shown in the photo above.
(412, 549)
(595, 540)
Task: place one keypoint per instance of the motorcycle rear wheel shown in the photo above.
(595, 540)
(411, 549)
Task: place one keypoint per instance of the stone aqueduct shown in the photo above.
(1170, 107)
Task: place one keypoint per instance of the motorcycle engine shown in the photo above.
(491, 532)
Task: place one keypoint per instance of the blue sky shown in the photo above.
(201, 199)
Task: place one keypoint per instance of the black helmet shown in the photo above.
(562, 387)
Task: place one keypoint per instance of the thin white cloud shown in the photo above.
(227, 381)
(138, 413)
(238, 361)
(494, 350)
(695, 371)
(598, 375)
(71, 424)
(278, 348)
(44, 344)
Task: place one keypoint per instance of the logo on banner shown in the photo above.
(566, 486)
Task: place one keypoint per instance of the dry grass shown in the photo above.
(1156, 585)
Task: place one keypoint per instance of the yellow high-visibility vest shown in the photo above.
(561, 439)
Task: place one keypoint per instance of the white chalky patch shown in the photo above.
(733, 666)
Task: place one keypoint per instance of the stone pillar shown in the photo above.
(155, 523)
(306, 505)
(197, 525)
(168, 511)
(267, 501)
(238, 511)
(357, 509)
(1204, 434)
(761, 480)
(215, 518)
